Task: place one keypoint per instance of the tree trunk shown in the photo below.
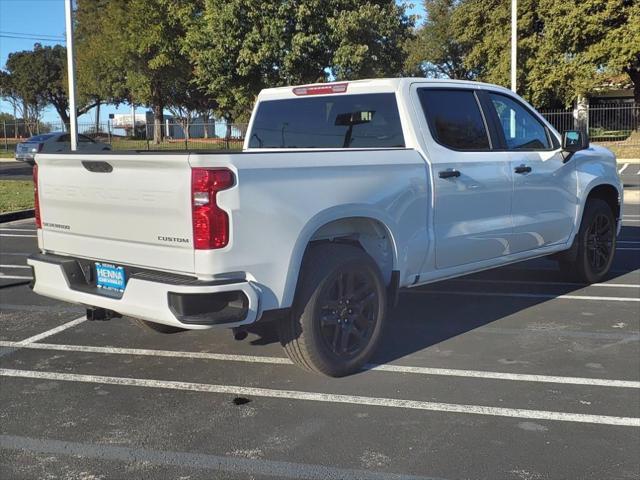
(15, 124)
(205, 122)
(581, 113)
(227, 134)
(185, 124)
(97, 119)
(158, 120)
(25, 117)
(66, 120)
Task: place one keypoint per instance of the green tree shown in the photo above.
(30, 82)
(134, 50)
(98, 79)
(38, 78)
(436, 51)
(565, 49)
(239, 47)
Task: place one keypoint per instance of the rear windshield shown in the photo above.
(41, 138)
(331, 121)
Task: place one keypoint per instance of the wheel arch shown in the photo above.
(600, 189)
(364, 227)
(609, 193)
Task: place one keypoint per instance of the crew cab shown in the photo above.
(343, 194)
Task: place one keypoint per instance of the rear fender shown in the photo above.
(324, 218)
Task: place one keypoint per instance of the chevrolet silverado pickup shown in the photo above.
(343, 194)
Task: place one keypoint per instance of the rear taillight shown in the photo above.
(36, 197)
(210, 222)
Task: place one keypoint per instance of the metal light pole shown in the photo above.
(71, 72)
(514, 42)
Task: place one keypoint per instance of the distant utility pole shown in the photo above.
(71, 69)
(514, 42)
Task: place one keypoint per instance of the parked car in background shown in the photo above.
(55, 142)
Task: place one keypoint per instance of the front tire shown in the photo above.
(339, 311)
(595, 244)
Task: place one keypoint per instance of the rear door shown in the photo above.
(132, 209)
(472, 182)
(545, 187)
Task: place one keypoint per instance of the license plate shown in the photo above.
(110, 276)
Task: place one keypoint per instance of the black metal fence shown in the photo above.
(172, 135)
(606, 123)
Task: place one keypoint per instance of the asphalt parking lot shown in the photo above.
(508, 374)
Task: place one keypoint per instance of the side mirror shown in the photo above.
(574, 140)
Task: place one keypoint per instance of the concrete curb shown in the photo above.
(628, 160)
(17, 215)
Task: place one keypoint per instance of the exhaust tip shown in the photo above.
(240, 334)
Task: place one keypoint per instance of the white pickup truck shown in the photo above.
(344, 194)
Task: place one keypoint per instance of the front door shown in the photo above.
(545, 187)
(472, 182)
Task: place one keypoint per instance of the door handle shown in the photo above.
(450, 173)
(522, 169)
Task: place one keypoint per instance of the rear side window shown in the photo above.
(454, 118)
(331, 121)
(522, 131)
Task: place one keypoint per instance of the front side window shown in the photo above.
(522, 131)
(454, 118)
(331, 121)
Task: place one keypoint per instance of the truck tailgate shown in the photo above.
(132, 209)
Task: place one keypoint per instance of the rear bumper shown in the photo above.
(151, 296)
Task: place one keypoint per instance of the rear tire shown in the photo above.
(158, 327)
(595, 244)
(339, 311)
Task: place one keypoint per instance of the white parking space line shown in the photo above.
(17, 235)
(15, 266)
(520, 295)
(557, 333)
(624, 167)
(628, 248)
(17, 229)
(53, 331)
(520, 377)
(326, 397)
(246, 467)
(534, 282)
(447, 372)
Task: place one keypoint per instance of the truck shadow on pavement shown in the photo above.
(425, 317)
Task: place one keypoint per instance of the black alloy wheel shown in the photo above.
(348, 312)
(599, 246)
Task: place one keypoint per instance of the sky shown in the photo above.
(25, 22)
